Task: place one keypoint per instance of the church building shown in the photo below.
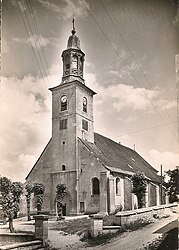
(95, 169)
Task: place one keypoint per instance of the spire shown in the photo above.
(73, 41)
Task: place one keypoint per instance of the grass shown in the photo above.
(168, 241)
(78, 226)
(101, 239)
(106, 238)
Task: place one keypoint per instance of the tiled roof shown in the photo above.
(118, 157)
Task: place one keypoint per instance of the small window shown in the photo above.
(82, 207)
(95, 186)
(84, 104)
(63, 124)
(85, 125)
(118, 190)
(63, 168)
(63, 101)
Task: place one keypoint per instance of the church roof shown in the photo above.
(118, 158)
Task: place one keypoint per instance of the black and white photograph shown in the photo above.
(89, 124)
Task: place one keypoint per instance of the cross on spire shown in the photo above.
(73, 21)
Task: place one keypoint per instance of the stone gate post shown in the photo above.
(41, 228)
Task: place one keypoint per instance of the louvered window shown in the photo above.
(63, 124)
(85, 125)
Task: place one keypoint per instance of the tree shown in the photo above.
(17, 190)
(139, 188)
(39, 189)
(29, 189)
(172, 185)
(60, 194)
(11, 193)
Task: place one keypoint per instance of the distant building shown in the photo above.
(95, 169)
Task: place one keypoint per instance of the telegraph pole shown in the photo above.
(161, 184)
(177, 89)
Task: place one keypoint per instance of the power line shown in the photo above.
(31, 31)
(127, 68)
(45, 64)
(146, 129)
(138, 65)
(34, 52)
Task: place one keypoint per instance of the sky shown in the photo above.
(130, 49)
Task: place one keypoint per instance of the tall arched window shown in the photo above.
(63, 102)
(95, 186)
(118, 190)
(67, 62)
(84, 104)
(75, 62)
(81, 63)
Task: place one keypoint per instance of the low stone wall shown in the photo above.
(145, 214)
(16, 237)
(126, 218)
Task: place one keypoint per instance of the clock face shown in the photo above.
(63, 99)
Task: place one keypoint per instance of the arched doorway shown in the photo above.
(63, 208)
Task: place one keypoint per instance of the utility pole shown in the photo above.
(177, 88)
(161, 184)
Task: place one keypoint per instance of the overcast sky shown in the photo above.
(130, 49)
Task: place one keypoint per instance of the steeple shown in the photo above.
(73, 59)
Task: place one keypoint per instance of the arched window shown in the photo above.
(67, 62)
(95, 186)
(118, 190)
(63, 102)
(63, 168)
(75, 62)
(81, 63)
(84, 104)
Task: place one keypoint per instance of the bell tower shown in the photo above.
(73, 59)
(72, 108)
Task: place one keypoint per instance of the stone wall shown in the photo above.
(127, 218)
(41, 173)
(144, 214)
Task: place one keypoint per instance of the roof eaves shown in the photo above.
(38, 159)
(118, 170)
